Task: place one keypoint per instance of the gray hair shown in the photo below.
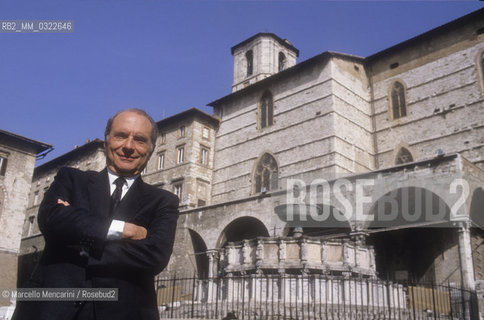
(154, 126)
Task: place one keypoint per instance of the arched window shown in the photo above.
(3, 165)
(250, 62)
(282, 61)
(266, 174)
(266, 110)
(482, 64)
(403, 156)
(397, 100)
(2, 200)
(480, 67)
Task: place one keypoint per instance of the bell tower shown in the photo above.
(259, 57)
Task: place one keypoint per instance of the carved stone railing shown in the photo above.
(304, 254)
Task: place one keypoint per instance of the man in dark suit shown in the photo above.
(106, 229)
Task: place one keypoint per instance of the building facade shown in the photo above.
(390, 135)
(17, 159)
(337, 115)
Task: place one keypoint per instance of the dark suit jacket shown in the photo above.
(129, 265)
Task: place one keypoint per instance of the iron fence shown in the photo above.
(276, 296)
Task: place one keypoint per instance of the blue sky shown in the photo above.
(168, 56)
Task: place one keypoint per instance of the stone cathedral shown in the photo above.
(337, 165)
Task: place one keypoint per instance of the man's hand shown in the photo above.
(134, 232)
(65, 203)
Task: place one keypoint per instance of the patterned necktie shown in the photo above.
(116, 196)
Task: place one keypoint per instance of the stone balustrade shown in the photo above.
(306, 255)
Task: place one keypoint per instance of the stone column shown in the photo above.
(211, 262)
(282, 286)
(211, 272)
(330, 291)
(230, 286)
(254, 288)
(347, 289)
(465, 253)
(200, 290)
(299, 288)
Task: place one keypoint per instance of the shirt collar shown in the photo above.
(129, 180)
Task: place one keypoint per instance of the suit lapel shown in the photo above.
(99, 193)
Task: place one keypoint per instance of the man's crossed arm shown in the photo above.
(130, 230)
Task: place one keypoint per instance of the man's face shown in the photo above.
(128, 146)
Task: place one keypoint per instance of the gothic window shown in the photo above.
(282, 61)
(204, 155)
(177, 189)
(206, 133)
(30, 230)
(2, 200)
(36, 198)
(403, 156)
(250, 62)
(480, 63)
(161, 160)
(3, 165)
(397, 100)
(266, 174)
(180, 157)
(266, 110)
